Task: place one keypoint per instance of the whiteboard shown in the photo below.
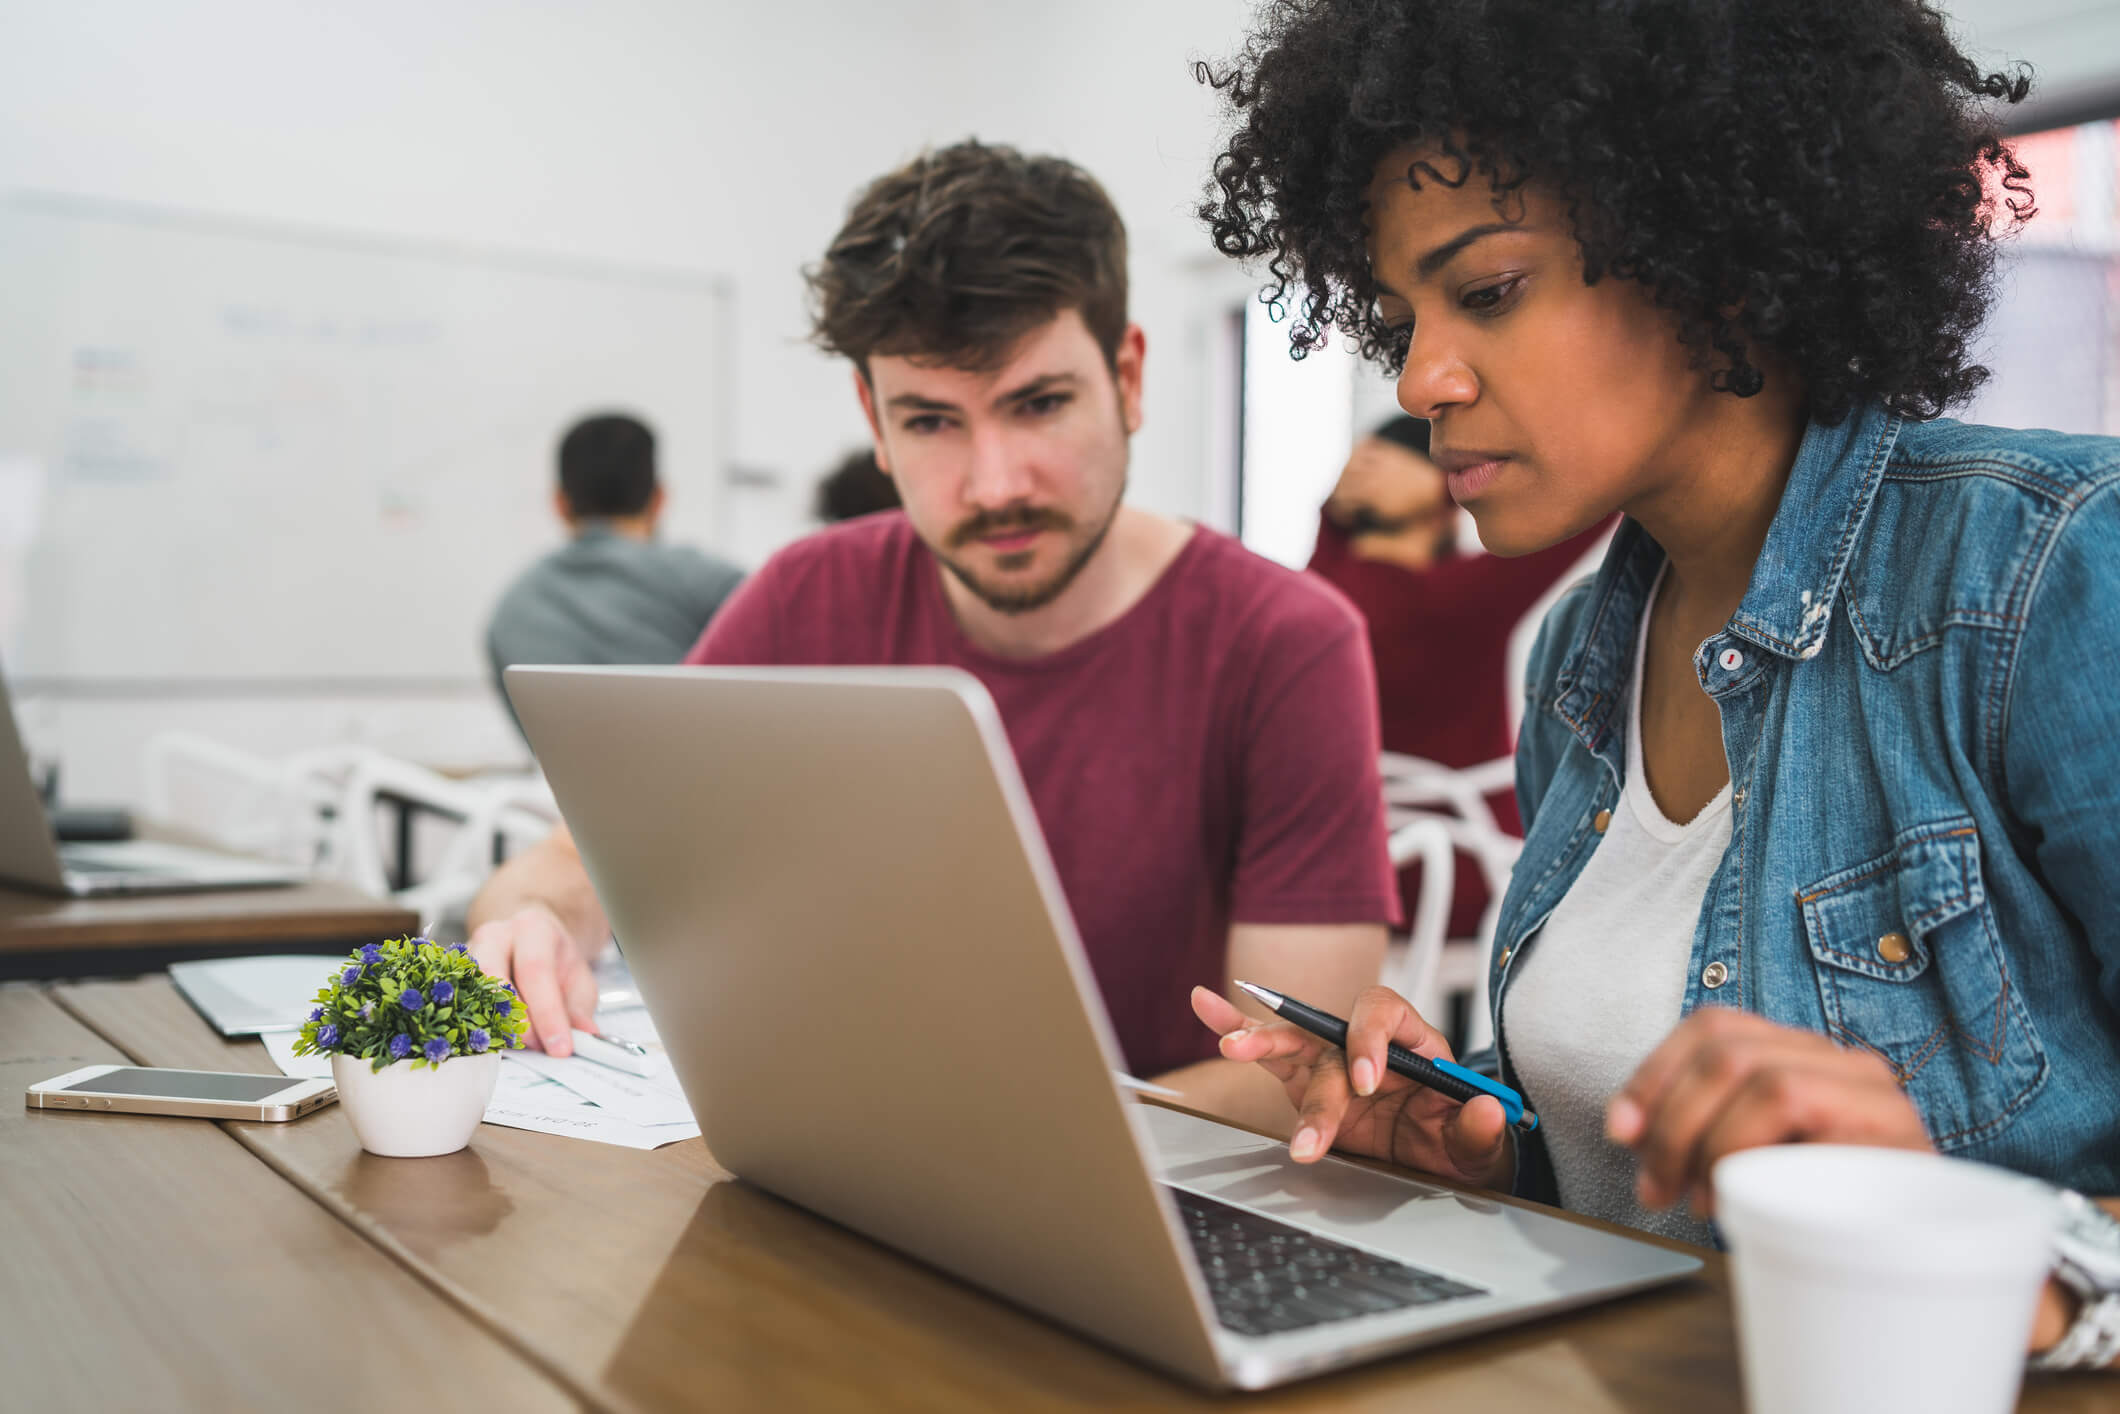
(239, 454)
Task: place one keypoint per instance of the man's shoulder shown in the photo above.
(535, 580)
(693, 560)
(851, 556)
(1262, 596)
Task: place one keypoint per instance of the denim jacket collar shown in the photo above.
(1789, 603)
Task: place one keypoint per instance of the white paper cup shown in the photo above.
(1870, 1280)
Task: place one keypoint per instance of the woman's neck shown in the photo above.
(1722, 485)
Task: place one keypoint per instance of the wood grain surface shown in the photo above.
(152, 1263)
(654, 1281)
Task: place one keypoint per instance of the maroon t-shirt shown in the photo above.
(1441, 639)
(1208, 758)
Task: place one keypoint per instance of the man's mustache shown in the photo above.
(1009, 519)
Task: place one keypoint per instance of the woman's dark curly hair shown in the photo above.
(1820, 178)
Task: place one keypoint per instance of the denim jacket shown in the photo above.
(1920, 700)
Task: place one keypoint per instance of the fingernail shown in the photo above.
(1645, 1189)
(1623, 1121)
(1304, 1144)
(1365, 1076)
(559, 1043)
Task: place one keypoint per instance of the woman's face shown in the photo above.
(1554, 403)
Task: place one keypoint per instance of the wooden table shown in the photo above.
(46, 936)
(653, 1281)
(152, 1264)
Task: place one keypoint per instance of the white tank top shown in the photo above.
(1601, 984)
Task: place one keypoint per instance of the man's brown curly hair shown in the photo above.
(957, 255)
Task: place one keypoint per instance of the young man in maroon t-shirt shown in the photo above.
(1197, 726)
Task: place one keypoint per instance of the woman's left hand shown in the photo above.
(1726, 1080)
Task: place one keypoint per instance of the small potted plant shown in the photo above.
(414, 1030)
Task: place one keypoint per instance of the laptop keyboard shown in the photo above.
(1267, 1277)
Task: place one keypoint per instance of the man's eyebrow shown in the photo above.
(913, 402)
(1044, 383)
(1429, 264)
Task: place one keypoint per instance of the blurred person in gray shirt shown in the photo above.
(614, 593)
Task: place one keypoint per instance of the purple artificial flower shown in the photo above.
(459, 948)
(327, 1037)
(436, 1051)
(411, 1000)
(350, 976)
(480, 1040)
(367, 1010)
(400, 1046)
(371, 954)
(442, 992)
(317, 1015)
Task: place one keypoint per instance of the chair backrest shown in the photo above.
(251, 804)
(321, 809)
(1432, 811)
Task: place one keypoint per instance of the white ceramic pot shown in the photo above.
(410, 1114)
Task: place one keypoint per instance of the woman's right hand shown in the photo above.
(1349, 1101)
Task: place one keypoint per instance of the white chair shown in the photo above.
(250, 804)
(484, 818)
(327, 810)
(1433, 810)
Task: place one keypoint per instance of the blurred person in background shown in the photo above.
(1440, 620)
(614, 593)
(856, 487)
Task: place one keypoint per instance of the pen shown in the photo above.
(1444, 1077)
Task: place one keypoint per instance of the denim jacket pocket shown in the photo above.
(1909, 967)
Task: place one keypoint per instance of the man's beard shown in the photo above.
(1029, 597)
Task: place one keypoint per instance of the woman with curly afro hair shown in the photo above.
(1819, 771)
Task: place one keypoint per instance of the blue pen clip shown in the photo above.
(1512, 1103)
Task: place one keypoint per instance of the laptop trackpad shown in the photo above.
(1239, 1167)
(1464, 1235)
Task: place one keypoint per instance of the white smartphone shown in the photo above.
(206, 1094)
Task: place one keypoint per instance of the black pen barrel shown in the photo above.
(1401, 1061)
(1318, 1023)
(1419, 1067)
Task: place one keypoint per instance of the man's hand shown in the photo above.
(1726, 1080)
(1384, 486)
(532, 949)
(1373, 1111)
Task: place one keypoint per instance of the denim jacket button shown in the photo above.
(1894, 947)
(1503, 961)
(1731, 660)
(1602, 821)
(1714, 975)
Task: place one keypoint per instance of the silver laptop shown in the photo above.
(842, 917)
(30, 857)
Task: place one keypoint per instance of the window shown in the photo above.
(2053, 337)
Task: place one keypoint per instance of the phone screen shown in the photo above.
(184, 1084)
